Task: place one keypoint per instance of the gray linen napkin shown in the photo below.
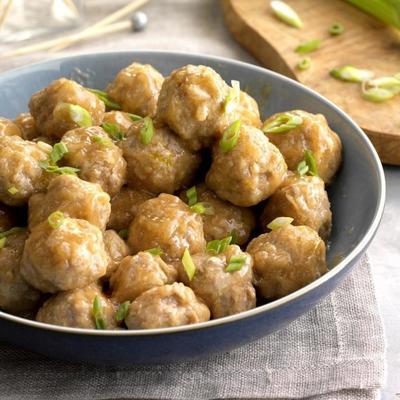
(335, 351)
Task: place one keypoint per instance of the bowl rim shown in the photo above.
(355, 253)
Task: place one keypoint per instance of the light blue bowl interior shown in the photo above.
(356, 195)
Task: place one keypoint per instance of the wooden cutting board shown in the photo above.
(366, 43)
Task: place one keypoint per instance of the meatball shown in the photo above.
(116, 249)
(20, 172)
(8, 218)
(247, 110)
(136, 89)
(225, 219)
(248, 173)
(121, 119)
(286, 259)
(162, 166)
(166, 306)
(74, 308)
(168, 223)
(225, 293)
(68, 255)
(75, 198)
(124, 206)
(9, 128)
(303, 198)
(191, 103)
(16, 296)
(312, 134)
(137, 274)
(27, 126)
(97, 157)
(52, 117)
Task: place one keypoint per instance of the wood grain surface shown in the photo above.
(366, 43)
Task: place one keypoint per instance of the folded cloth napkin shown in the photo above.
(334, 352)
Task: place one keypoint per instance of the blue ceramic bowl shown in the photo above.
(357, 198)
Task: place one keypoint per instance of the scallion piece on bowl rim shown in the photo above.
(309, 46)
(230, 136)
(236, 263)
(282, 123)
(188, 264)
(147, 130)
(279, 223)
(56, 219)
(351, 74)
(97, 312)
(286, 14)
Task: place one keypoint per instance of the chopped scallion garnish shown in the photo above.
(103, 140)
(377, 94)
(336, 29)
(58, 152)
(113, 131)
(155, 251)
(54, 169)
(302, 168)
(134, 117)
(234, 235)
(236, 263)
(219, 246)
(191, 195)
(286, 14)
(387, 82)
(10, 232)
(282, 123)
(123, 233)
(351, 74)
(121, 312)
(105, 98)
(309, 46)
(230, 136)
(304, 64)
(311, 162)
(12, 190)
(233, 97)
(56, 219)
(147, 130)
(202, 208)
(78, 114)
(97, 312)
(2, 242)
(188, 264)
(279, 223)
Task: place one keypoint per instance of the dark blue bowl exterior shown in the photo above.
(357, 200)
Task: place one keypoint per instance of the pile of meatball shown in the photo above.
(159, 202)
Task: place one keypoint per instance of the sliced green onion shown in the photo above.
(230, 136)
(234, 235)
(54, 169)
(336, 29)
(309, 46)
(105, 98)
(233, 97)
(351, 74)
(302, 168)
(279, 223)
(113, 131)
(219, 246)
(2, 242)
(155, 251)
(12, 190)
(236, 263)
(56, 219)
(121, 312)
(202, 208)
(377, 95)
(304, 64)
(123, 233)
(134, 117)
(188, 264)
(103, 140)
(191, 195)
(78, 114)
(58, 152)
(311, 163)
(282, 123)
(97, 312)
(11, 232)
(286, 14)
(387, 82)
(147, 130)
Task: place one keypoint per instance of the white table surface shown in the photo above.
(201, 29)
